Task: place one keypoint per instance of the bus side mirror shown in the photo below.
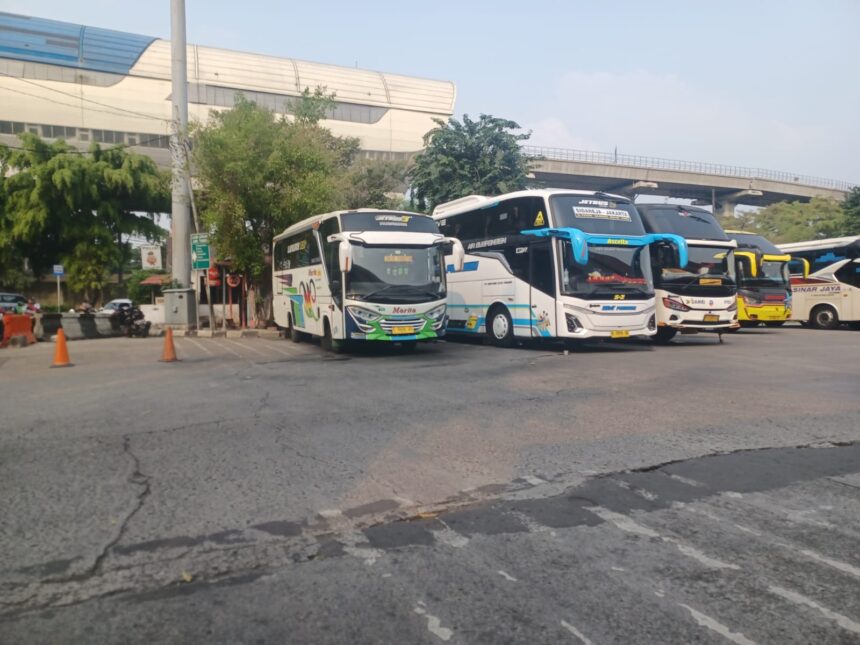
(344, 256)
(805, 267)
(457, 252)
(746, 264)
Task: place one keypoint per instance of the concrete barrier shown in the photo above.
(82, 326)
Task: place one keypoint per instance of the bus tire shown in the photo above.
(295, 334)
(664, 335)
(499, 326)
(328, 343)
(774, 323)
(824, 317)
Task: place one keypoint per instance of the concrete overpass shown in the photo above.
(706, 184)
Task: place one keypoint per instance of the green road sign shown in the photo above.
(200, 259)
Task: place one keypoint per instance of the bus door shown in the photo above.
(542, 309)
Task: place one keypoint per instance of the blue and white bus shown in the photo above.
(550, 263)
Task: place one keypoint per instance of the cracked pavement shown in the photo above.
(269, 483)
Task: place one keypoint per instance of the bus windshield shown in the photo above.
(704, 263)
(396, 274)
(771, 274)
(596, 214)
(610, 270)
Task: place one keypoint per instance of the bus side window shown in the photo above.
(849, 274)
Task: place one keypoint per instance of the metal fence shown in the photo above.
(563, 154)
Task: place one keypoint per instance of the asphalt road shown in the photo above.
(260, 491)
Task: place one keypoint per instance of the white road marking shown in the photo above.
(199, 345)
(618, 569)
(660, 593)
(434, 625)
(850, 569)
(843, 621)
(355, 544)
(622, 521)
(248, 347)
(573, 630)
(733, 494)
(275, 348)
(507, 576)
(688, 481)
(534, 481)
(626, 524)
(329, 513)
(719, 628)
(451, 538)
(233, 351)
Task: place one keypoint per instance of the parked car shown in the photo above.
(9, 302)
(115, 305)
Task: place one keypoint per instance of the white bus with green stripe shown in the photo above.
(362, 276)
(549, 263)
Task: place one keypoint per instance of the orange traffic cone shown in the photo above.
(169, 353)
(61, 352)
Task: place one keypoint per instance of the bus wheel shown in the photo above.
(500, 327)
(327, 342)
(664, 335)
(824, 317)
(774, 323)
(295, 334)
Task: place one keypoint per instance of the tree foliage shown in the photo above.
(374, 184)
(261, 173)
(473, 157)
(60, 205)
(851, 208)
(785, 222)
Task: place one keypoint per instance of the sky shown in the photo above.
(756, 83)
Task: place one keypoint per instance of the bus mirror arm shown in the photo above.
(344, 255)
(457, 251)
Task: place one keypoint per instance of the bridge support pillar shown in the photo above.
(726, 209)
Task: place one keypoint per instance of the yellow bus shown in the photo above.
(764, 287)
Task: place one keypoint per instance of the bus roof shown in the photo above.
(815, 245)
(472, 201)
(690, 222)
(318, 219)
(754, 240)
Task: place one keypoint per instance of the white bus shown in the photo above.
(703, 295)
(831, 294)
(549, 263)
(361, 275)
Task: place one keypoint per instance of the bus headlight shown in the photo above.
(437, 316)
(437, 313)
(733, 306)
(573, 324)
(363, 316)
(675, 305)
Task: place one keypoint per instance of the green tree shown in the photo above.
(785, 222)
(851, 208)
(473, 157)
(261, 173)
(374, 184)
(62, 205)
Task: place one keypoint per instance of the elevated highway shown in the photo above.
(723, 186)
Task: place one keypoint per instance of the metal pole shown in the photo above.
(224, 298)
(180, 218)
(59, 303)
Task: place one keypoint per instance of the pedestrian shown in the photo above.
(33, 307)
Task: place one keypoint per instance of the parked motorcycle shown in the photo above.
(132, 321)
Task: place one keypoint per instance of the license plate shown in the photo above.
(619, 333)
(712, 318)
(403, 329)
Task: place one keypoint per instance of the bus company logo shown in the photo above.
(485, 243)
(619, 241)
(404, 310)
